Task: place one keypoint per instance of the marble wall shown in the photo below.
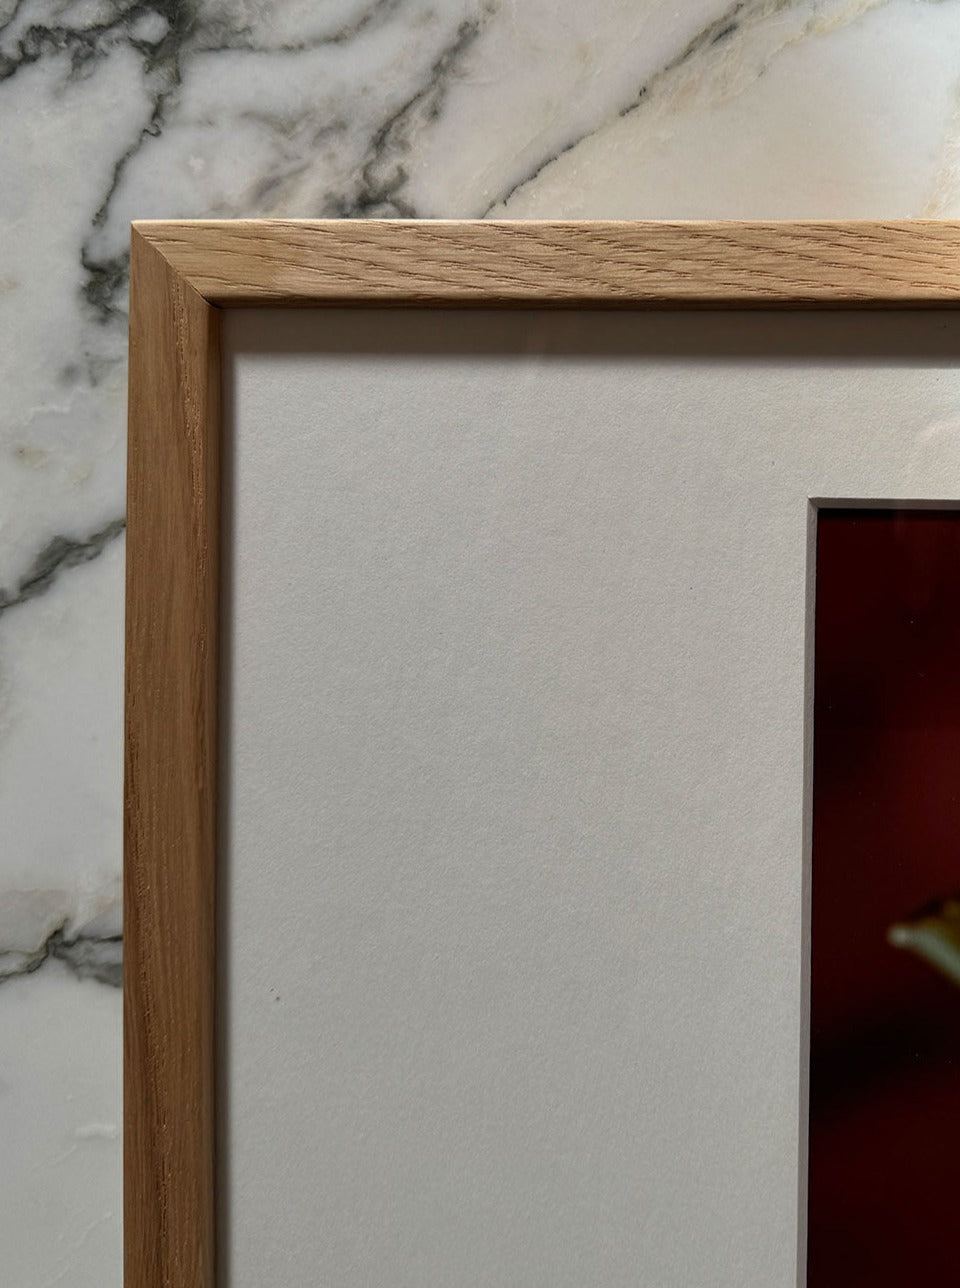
(114, 110)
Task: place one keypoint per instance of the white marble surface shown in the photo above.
(113, 110)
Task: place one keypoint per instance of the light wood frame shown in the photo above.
(182, 275)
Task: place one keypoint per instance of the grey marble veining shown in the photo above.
(111, 111)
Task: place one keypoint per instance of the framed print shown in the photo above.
(541, 726)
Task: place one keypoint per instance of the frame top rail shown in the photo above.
(813, 264)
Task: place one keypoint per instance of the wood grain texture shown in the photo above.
(180, 273)
(170, 780)
(606, 265)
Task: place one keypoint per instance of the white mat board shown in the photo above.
(514, 801)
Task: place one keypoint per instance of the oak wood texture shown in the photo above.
(170, 775)
(608, 265)
(182, 273)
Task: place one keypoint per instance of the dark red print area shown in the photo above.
(884, 1178)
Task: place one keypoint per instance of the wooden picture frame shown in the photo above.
(182, 275)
